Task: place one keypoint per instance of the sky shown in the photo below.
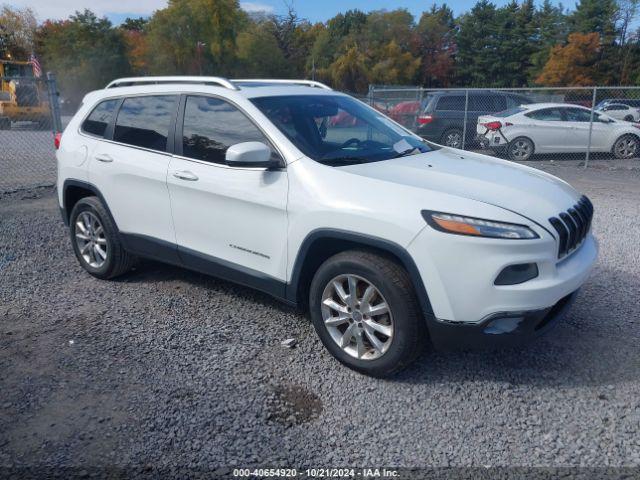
(313, 10)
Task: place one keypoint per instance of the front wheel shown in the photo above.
(626, 147)
(96, 241)
(365, 311)
(520, 149)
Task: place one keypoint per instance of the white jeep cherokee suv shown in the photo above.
(323, 202)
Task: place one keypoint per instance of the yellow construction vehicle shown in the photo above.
(22, 97)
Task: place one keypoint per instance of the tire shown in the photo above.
(629, 118)
(626, 146)
(90, 212)
(403, 324)
(520, 149)
(452, 138)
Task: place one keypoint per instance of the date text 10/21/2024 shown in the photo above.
(316, 473)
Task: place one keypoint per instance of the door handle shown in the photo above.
(185, 175)
(104, 157)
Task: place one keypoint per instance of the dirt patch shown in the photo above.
(291, 405)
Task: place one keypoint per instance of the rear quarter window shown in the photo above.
(509, 112)
(100, 118)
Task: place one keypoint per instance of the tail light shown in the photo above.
(424, 119)
(56, 139)
(492, 125)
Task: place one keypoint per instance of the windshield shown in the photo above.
(338, 130)
(15, 70)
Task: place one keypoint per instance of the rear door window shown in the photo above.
(546, 114)
(144, 121)
(451, 102)
(100, 118)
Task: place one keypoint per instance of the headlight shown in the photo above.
(460, 225)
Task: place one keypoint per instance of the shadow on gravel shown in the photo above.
(596, 344)
(149, 271)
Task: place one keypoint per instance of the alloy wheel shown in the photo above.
(626, 147)
(521, 150)
(453, 139)
(90, 239)
(357, 317)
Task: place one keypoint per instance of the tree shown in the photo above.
(84, 51)
(17, 32)
(515, 34)
(349, 71)
(477, 59)
(190, 36)
(394, 67)
(436, 46)
(551, 29)
(596, 16)
(573, 64)
(384, 26)
(627, 13)
(259, 55)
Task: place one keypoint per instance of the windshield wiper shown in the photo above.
(409, 151)
(344, 160)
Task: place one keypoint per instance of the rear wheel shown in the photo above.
(365, 311)
(96, 241)
(520, 149)
(626, 146)
(452, 138)
(629, 118)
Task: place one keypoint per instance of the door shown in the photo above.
(547, 129)
(229, 221)
(131, 170)
(580, 121)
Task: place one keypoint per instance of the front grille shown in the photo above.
(572, 226)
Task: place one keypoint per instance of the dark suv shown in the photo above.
(442, 120)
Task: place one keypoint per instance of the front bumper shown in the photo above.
(501, 330)
(459, 274)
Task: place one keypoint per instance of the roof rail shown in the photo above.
(308, 83)
(132, 81)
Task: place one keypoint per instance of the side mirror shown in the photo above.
(250, 154)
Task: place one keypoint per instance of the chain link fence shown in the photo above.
(589, 123)
(576, 123)
(29, 116)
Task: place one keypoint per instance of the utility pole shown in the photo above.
(199, 47)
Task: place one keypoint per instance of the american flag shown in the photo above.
(37, 69)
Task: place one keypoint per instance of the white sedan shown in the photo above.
(556, 128)
(620, 111)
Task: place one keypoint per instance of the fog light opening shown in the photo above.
(503, 325)
(515, 274)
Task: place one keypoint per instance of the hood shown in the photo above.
(532, 193)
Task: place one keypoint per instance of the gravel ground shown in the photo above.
(167, 369)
